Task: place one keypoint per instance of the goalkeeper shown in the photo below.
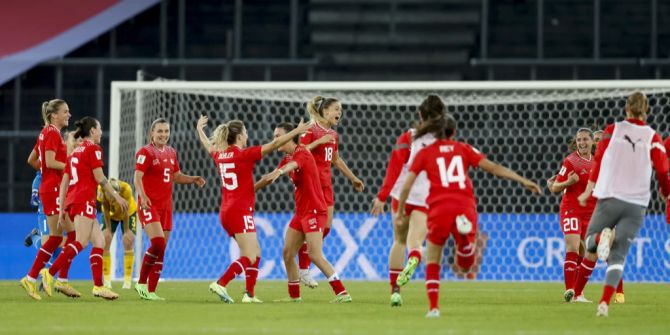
(113, 215)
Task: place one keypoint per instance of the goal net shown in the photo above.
(523, 125)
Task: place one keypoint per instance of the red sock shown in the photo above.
(234, 269)
(579, 260)
(336, 285)
(155, 274)
(303, 258)
(607, 294)
(65, 270)
(570, 269)
(44, 255)
(582, 277)
(96, 265)
(69, 252)
(155, 251)
(294, 289)
(433, 284)
(393, 276)
(251, 274)
(415, 253)
(326, 231)
(619, 288)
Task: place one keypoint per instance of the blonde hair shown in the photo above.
(316, 106)
(115, 184)
(49, 108)
(226, 134)
(637, 104)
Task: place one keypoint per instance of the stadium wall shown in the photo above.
(514, 247)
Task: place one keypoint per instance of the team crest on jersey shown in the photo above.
(156, 161)
(98, 154)
(141, 159)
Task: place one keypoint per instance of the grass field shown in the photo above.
(467, 308)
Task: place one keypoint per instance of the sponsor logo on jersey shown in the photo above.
(141, 159)
(98, 154)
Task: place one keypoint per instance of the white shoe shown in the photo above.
(246, 299)
(433, 313)
(107, 284)
(307, 280)
(463, 225)
(603, 310)
(582, 298)
(127, 285)
(603, 250)
(568, 295)
(219, 290)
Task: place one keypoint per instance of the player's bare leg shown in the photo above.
(303, 255)
(433, 260)
(315, 247)
(397, 256)
(416, 235)
(293, 241)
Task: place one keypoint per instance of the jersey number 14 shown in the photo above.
(454, 173)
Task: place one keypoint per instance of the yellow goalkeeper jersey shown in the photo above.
(112, 208)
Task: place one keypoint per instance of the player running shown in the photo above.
(620, 180)
(235, 162)
(113, 217)
(451, 201)
(156, 169)
(310, 215)
(322, 140)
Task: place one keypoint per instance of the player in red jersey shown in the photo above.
(49, 156)
(156, 169)
(621, 180)
(451, 201)
(80, 182)
(322, 140)
(235, 162)
(310, 215)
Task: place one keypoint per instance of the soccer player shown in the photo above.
(113, 215)
(620, 180)
(451, 201)
(82, 174)
(235, 162)
(322, 140)
(412, 232)
(156, 168)
(49, 156)
(310, 215)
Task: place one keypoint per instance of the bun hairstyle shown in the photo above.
(316, 106)
(84, 126)
(435, 118)
(288, 127)
(49, 108)
(226, 134)
(637, 104)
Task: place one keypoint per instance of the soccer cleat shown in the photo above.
(602, 310)
(65, 289)
(603, 250)
(47, 281)
(219, 290)
(463, 225)
(582, 298)
(142, 290)
(289, 299)
(127, 285)
(246, 299)
(107, 284)
(407, 272)
(433, 313)
(568, 295)
(396, 299)
(28, 241)
(308, 281)
(619, 298)
(105, 293)
(153, 296)
(341, 298)
(30, 288)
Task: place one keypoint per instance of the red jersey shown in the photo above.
(323, 153)
(84, 159)
(582, 167)
(399, 157)
(308, 192)
(446, 163)
(236, 168)
(50, 140)
(158, 166)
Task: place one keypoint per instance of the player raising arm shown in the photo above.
(451, 201)
(235, 162)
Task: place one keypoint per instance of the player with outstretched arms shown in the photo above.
(310, 215)
(235, 161)
(451, 201)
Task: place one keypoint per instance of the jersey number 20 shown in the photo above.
(454, 173)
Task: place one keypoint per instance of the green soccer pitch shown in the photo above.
(467, 308)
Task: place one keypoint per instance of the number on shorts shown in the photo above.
(570, 224)
(89, 209)
(73, 170)
(329, 154)
(227, 175)
(455, 173)
(248, 222)
(147, 215)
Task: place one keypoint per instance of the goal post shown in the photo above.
(524, 125)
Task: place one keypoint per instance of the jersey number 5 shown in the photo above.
(228, 177)
(455, 173)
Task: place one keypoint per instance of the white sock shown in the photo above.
(334, 277)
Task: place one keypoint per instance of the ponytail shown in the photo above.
(49, 108)
(226, 134)
(316, 106)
